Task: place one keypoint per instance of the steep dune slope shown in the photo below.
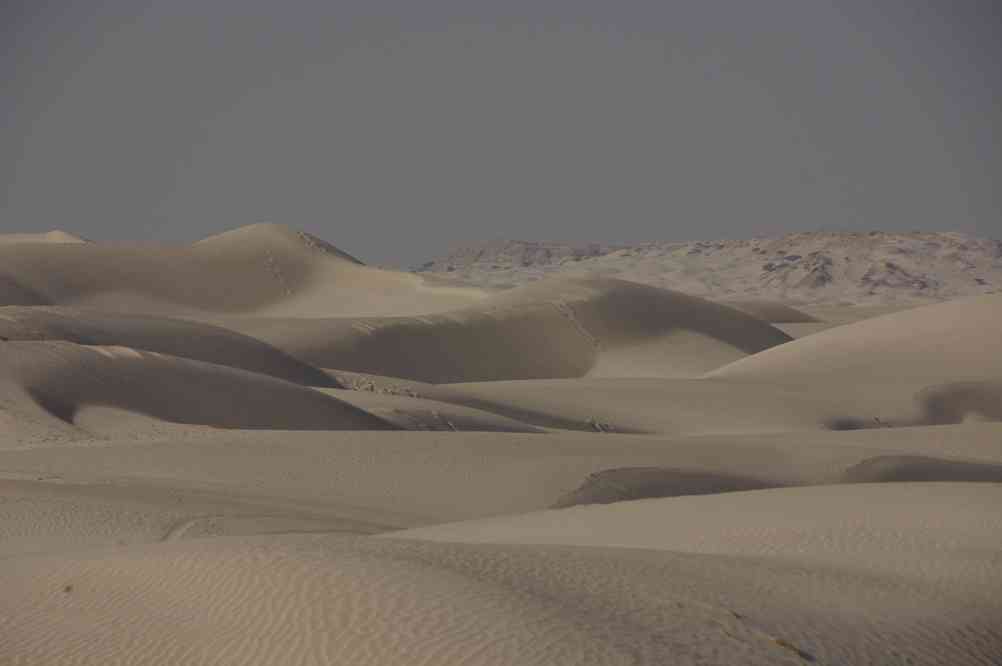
(411, 479)
(62, 378)
(556, 328)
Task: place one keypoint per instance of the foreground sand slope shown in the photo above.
(262, 268)
(57, 381)
(941, 539)
(322, 599)
(555, 328)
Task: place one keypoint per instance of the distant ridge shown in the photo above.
(273, 236)
(815, 267)
(54, 236)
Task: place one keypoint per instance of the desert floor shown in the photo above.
(257, 450)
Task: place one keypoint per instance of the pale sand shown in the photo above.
(559, 328)
(198, 444)
(261, 269)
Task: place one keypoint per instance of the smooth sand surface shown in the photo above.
(261, 269)
(257, 450)
(558, 328)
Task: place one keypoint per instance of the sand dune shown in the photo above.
(257, 450)
(412, 413)
(323, 599)
(556, 328)
(62, 377)
(177, 337)
(259, 268)
(685, 406)
(952, 341)
(943, 533)
(409, 479)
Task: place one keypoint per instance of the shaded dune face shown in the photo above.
(882, 469)
(634, 483)
(13, 292)
(63, 377)
(774, 312)
(557, 328)
(624, 484)
(177, 337)
(959, 401)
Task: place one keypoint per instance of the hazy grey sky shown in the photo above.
(398, 129)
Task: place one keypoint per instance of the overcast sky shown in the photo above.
(399, 129)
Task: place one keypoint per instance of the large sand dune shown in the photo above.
(259, 268)
(560, 328)
(199, 446)
(948, 341)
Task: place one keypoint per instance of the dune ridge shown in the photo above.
(249, 269)
(562, 328)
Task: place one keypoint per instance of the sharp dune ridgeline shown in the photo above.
(255, 449)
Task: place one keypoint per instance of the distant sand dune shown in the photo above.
(556, 328)
(55, 236)
(63, 377)
(250, 269)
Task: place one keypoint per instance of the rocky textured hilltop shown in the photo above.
(816, 267)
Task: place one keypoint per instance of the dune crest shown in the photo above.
(254, 269)
(556, 328)
(54, 236)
